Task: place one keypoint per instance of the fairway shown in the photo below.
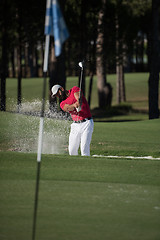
(136, 91)
(19, 132)
(79, 198)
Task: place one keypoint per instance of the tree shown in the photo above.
(19, 51)
(4, 60)
(89, 27)
(6, 24)
(129, 28)
(104, 89)
(56, 72)
(121, 95)
(56, 68)
(155, 62)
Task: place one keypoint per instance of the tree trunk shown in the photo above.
(35, 61)
(83, 42)
(19, 92)
(26, 59)
(90, 89)
(121, 96)
(19, 61)
(118, 87)
(142, 54)
(41, 58)
(123, 86)
(13, 63)
(4, 56)
(155, 63)
(30, 61)
(52, 76)
(104, 89)
(56, 73)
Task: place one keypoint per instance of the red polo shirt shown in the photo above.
(85, 110)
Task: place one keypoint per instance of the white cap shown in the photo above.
(54, 89)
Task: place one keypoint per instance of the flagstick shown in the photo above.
(40, 138)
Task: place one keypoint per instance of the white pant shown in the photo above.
(81, 135)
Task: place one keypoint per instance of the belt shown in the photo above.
(83, 120)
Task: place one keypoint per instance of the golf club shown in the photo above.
(81, 65)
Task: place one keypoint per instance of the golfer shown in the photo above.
(82, 126)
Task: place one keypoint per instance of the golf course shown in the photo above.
(113, 194)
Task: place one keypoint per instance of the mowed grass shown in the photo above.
(79, 198)
(19, 132)
(137, 138)
(136, 85)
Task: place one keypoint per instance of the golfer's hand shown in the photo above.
(77, 104)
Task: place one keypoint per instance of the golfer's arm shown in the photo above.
(78, 97)
(68, 108)
(71, 107)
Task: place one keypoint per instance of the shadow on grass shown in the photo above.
(121, 113)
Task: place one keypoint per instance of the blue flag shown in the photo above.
(55, 25)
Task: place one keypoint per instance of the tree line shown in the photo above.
(114, 36)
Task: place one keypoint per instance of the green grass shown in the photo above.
(127, 138)
(136, 96)
(138, 138)
(136, 92)
(136, 85)
(79, 198)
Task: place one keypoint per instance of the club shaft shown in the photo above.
(80, 84)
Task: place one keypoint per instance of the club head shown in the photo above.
(80, 64)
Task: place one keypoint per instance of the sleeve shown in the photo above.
(72, 99)
(75, 89)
